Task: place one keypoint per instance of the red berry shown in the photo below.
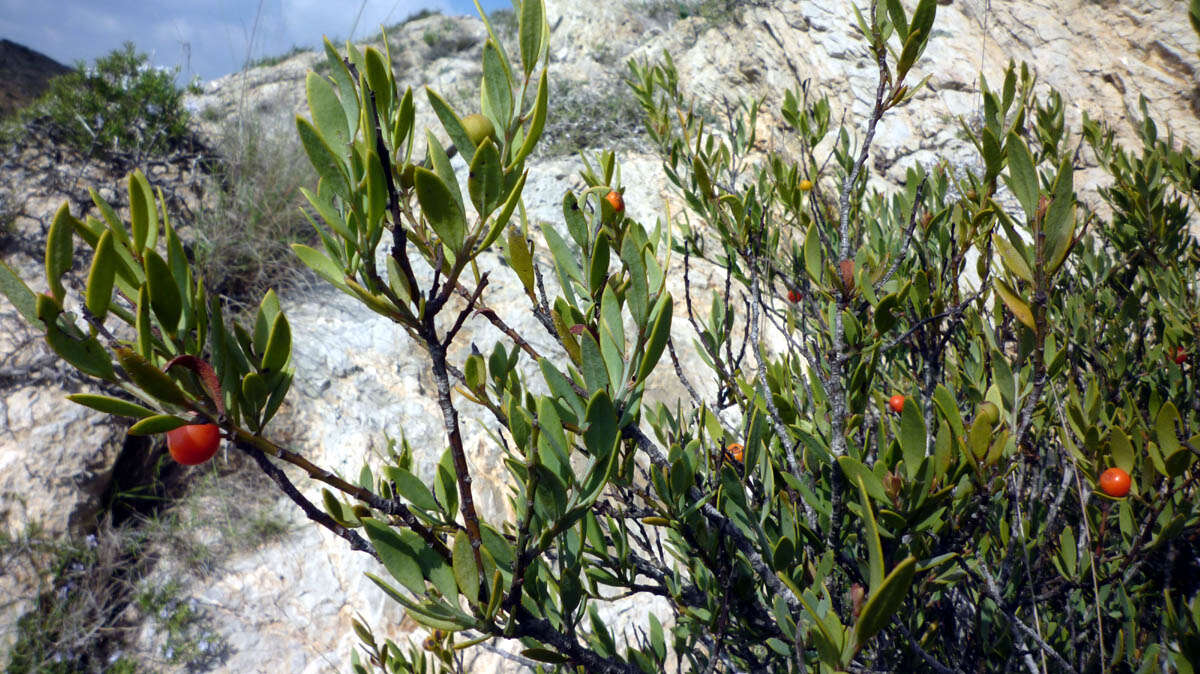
(1180, 355)
(193, 444)
(1114, 482)
(896, 402)
(793, 296)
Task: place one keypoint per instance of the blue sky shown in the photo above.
(208, 38)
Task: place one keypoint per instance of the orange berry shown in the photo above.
(1114, 482)
(736, 451)
(805, 185)
(193, 444)
(615, 200)
(896, 402)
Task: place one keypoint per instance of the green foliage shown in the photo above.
(120, 105)
(1033, 338)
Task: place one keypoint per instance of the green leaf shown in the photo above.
(320, 263)
(637, 295)
(881, 605)
(412, 488)
(519, 259)
(874, 547)
(912, 438)
(598, 265)
(441, 208)
(1060, 217)
(855, 470)
(279, 345)
(452, 124)
(612, 338)
(532, 32)
(1121, 449)
(333, 218)
(1014, 260)
(397, 554)
(466, 573)
(537, 124)
(159, 423)
(1015, 304)
(87, 354)
(943, 399)
(109, 405)
(595, 372)
(993, 155)
(564, 260)
(813, 255)
(485, 183)
(885, 317)
(922, 20)
(913, 44)
(164, 293)
(577, 225)
(545, 655)
(13, 287)
(143, 324)
(101, 276)
(83, 352)
(378, 80)
(377, 194)
(150, 379)
(328, 164)
(327, 112)
(659, 334)
(1164, 427)
(899, 20)
(60, 249)
(141, 205)
(1022, 176)
(510, 204)
(601, 439)
(496, 88)
(560, 387)
(552, 442)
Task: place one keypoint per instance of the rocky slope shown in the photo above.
(24, 74)
(286, 604)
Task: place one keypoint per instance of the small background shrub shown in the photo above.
(121, 105)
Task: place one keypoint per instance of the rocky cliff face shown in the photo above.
(287, 604)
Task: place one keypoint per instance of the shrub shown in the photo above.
(120, 105)
(787, 519)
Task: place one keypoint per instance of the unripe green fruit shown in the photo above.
(988, 414)
(479, 127)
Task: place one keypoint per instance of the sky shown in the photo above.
(208, 38)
